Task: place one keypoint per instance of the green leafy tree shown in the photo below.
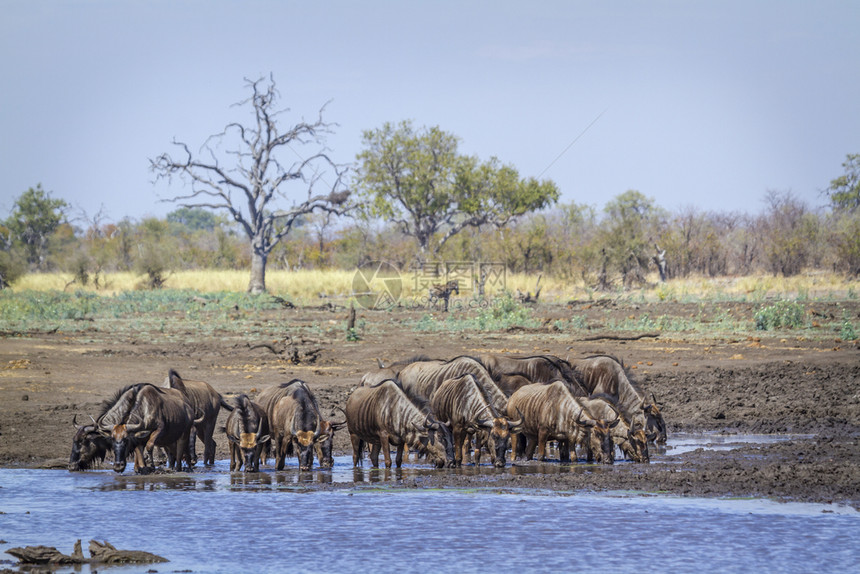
(35, 217)
(416, 179)
(193, 219)
(844, 191)
(251, 183)
(626, 236)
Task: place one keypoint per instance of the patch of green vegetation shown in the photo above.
(781, 315)
(500, 313)
(847, 332)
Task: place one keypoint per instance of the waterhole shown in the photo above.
(213, 520)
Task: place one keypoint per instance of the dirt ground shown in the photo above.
(729, 384)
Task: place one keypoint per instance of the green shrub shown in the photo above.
(847, 331)
(782, 314)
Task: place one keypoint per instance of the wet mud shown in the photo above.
(728, 386)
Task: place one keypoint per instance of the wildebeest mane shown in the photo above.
(476, 359)
(413, 359)
(109, 404)
(290, 383)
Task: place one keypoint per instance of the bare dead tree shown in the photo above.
(255, 181)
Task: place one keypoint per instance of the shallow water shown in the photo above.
(212, 520)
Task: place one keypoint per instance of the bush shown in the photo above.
(11, 268)
(782, 314)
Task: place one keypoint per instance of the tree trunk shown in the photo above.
(257, 283)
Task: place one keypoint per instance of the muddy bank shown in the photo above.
(730, 385)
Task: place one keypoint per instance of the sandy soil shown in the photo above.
(731, 385)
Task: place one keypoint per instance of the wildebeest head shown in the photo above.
(638, 442)
(437, 441)
(250, 444)
(499, 431)
(324, 443)
(125, 439)
(305, 441)
(655, 426)
(89, 446)
(599, 438)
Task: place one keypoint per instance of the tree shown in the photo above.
(626, 235)
(255, 180)
(790, 233)
(35, 217)
(844, 191)
(193, 219)
(417, 180)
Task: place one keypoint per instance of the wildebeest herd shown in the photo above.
(449, 411)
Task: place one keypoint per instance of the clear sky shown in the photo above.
(704, 104)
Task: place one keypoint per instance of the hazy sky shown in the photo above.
(705, 104)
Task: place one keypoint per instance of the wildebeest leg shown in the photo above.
(139, 463)
(515, 439)
(459, 442)
(398, 457)
(357, 448)
(564, 450)
(531, 444)
(543, 435)
(207, 436)
(192, 445)
(518, 445)
(467, 448)
(386, 448)
(374, 455)
(281, 452)
(589, 454)
(235, 457)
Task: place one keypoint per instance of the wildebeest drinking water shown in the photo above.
(461, 401)
(382, 415)
(247, 430)
(298, 426)
(304, 405)
(605, 374)
(89, 446)
(551, 412)
(207, 402)
(135, 420)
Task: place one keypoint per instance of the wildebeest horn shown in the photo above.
(380, 364)
(517, 422)
(75, 422)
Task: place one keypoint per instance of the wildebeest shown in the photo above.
(247, 431)
(443, 292)
(631, 441)
(140, 417)
(207, 402)
(89, 446)
(513, 372)
(551, 412)
(382, 415)
(420, 379)
(462, 402)
(298, 426)
(604, 374)
(392, 371)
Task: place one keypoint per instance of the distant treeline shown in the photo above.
(607, 249)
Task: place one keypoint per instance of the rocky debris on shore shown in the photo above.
(100, 553)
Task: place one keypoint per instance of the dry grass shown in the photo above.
(310, 285)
